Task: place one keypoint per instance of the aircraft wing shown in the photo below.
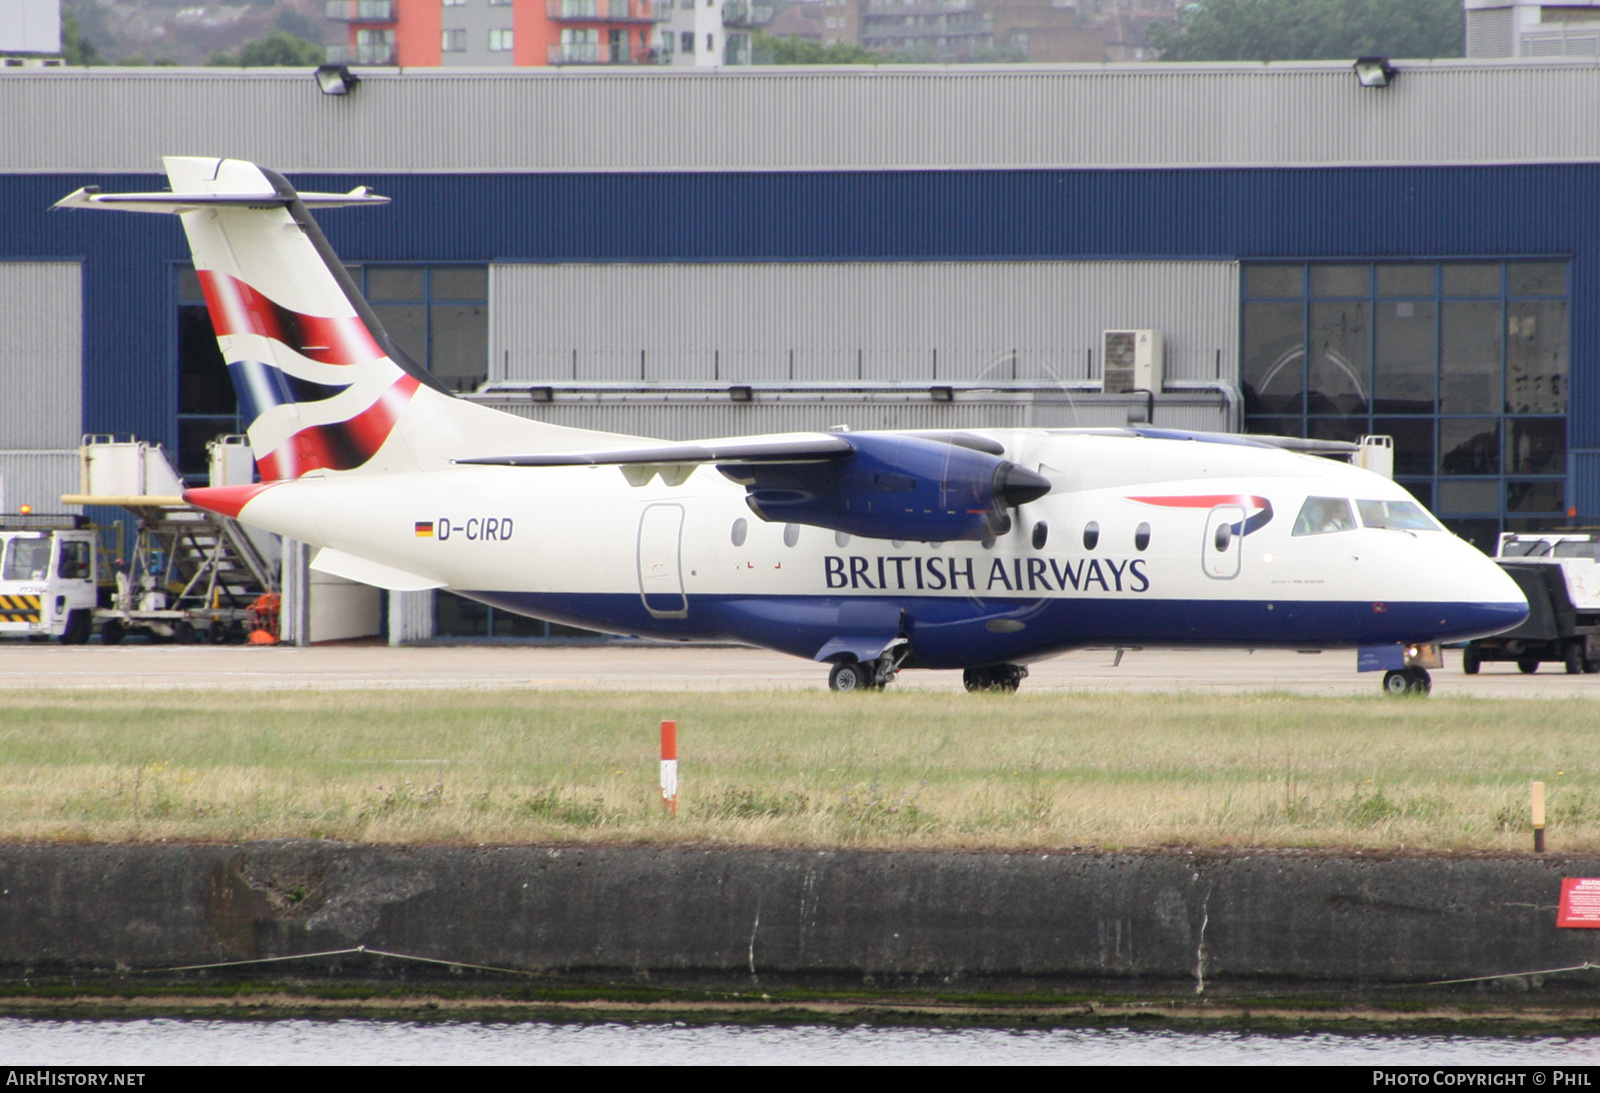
(1247, 440)
(779, 448)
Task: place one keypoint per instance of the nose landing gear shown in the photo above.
(871, 675)
(1407, 681)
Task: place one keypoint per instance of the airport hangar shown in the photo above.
(685, 254)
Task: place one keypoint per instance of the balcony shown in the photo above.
(361, 11)
(598, 53)
(600, 11)
(742, 13)
(380, 53)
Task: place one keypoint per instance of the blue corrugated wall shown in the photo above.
(130, 374)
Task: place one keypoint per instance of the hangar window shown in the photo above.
(439, 315)
(1464, 364)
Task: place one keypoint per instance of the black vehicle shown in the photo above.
(1559, 573)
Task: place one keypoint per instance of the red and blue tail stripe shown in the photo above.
(238, 308)
(343, 445)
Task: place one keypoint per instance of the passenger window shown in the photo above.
(1224, 537)
(1041, 535)
(1322, 515)
(1091, 535)
(27, 560)
(791, 534)
(740, 529)
(1141, 537)
(1395, 515)
(841, 539)
(73, 564)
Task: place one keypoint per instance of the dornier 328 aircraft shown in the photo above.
(872, 552)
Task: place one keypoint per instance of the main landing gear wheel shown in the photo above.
(1470, 663)
(1005, 678)
(845, 678)
(1528, 665)
(1407, 681)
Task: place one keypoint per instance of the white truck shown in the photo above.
(49, 577)
(1559, 573)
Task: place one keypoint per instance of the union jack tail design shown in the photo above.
(322, 388)
(320, 385)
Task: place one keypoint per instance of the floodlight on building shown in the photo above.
(1374, 72)
(335, 79)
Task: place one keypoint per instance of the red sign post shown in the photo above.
(1580, 902)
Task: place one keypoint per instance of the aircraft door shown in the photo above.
(660, 562)
(1224, 542)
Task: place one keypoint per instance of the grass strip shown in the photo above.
(893, 770)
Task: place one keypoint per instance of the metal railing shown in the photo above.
(379, 54)
(360, 11)
(742, 13)
(615, 11)
(580, 53)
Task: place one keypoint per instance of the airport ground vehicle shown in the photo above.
(186, 575)
(1559, 573)
(50, 577)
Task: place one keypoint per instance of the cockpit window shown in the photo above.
(1395, 515)
(1525, 548)
(1321, 515)
(1573, 548)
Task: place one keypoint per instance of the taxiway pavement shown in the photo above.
(621, 667)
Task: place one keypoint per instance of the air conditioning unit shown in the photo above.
(1130, 361)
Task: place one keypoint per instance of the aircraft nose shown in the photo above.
(1494, 602)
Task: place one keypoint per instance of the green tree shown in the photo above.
(1311, 30)
(277, 50)
(75, 48)
(802, 51)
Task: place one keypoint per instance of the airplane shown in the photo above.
(872, 552)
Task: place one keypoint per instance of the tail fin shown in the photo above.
(320, 383)
(321, 386)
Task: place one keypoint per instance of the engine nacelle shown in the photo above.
(893, 487)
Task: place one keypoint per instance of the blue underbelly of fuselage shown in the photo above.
(947, 632)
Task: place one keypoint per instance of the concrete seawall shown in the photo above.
(1225, 924)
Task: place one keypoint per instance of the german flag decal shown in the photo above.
(424, 529)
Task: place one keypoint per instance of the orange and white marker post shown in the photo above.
(669, 766)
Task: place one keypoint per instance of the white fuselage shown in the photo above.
(582, 545)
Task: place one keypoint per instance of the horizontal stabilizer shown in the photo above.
(787, 448)
(339, 564)
(90, 197)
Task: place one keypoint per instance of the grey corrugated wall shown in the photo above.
(41, 355)
(697, 421)
(1136, 115)
(874, 321)
(37, 478)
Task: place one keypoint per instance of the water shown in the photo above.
(365, 1043)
